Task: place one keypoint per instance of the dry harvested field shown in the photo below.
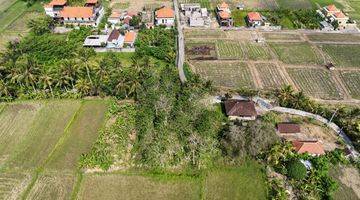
(315, 82)
(230, 50)
(270, 75)
(211, 33)
(225, 74)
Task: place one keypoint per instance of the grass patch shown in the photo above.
(296, 53)
(245, 182)
(270, 76)
(216, 33)
(239, 17)
(352, 82)
(83, 133)
(343, 55)
(117, 186)
(315, 82)
(298, 4)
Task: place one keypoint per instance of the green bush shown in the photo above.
(296, 170)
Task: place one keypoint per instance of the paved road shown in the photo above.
(181, 46)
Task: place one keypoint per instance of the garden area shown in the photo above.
(270, 75)
(343, 55)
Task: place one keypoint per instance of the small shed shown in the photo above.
(330, 66)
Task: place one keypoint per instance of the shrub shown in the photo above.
(296, 170)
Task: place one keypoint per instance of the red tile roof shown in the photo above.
(165, 13)
(115, 14)
(254, 16)
(224, 15)
(235, 107)
(340, 15)
(311, 147)
(288, 128)
(57, 2)
(78, 12)
(331, 7)
(130, 37)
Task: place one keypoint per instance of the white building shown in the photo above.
(165, 16)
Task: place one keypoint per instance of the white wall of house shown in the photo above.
(165, 21)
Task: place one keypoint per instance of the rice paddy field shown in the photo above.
(315, 82)
(41, 142)
(229, 74)
(296, 53)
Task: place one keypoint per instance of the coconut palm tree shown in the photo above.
(47, 81)
(83, 86)
(27, 71)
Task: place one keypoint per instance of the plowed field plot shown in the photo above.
(203, 3)
(230, 50)
(12, 185)
(256, 51)
(205, 34)
(82, 134)
(352, 82)
(53, 186)
(315, 82)
(133, 187)
(282, 36)
(231, 75)
(296, 53)
(343, 55)
(270, 75)
(334, 37)
(201, 51)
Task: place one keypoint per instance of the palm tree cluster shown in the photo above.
(83, 74)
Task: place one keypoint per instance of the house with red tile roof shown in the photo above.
(88, 15)
(54, 7)
(129, 39)
(313, 148)
(333, 15)
(240, 109)
(254, 19)
(224, 15)
(165, 16)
